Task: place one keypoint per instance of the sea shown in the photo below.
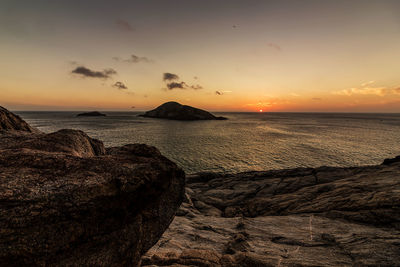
(246, 141)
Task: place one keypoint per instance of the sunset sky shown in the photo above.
(340, 56)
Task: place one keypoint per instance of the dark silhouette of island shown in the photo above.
(91, 114)
(175, 111)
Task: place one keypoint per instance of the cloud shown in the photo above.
(124, 25)
(120, 86)
(366, 89)
(316, 99)
(275, 46)
(379, 91)
(367, 83)
(134, 59)
(175, 85)
(105, 74)
(170, 76)
(171, 81)
(196, 87)
(218, 93)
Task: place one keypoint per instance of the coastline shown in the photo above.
(64, 194)
(324, 216)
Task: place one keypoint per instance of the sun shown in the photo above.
(260, 110)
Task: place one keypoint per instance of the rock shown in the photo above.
(176, 111)
(300, 217)
(390, 161)
(11, 122)
(68, 201)
(91, 114)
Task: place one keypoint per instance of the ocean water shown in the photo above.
(246, 141)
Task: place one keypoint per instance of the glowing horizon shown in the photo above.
(313, 56)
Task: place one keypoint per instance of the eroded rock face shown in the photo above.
(11, 122)
(65, 200)
(176, 111)
(300, 217)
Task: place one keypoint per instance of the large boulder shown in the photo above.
(66, 200)
(176, 111)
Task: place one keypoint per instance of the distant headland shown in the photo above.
(91, 114)
(175, 111)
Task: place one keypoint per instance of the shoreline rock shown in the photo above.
(326, 216)
(66, 200)
(176, 111)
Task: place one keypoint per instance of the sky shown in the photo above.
(231, 55)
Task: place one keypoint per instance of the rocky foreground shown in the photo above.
(299, 217)
(66, 200)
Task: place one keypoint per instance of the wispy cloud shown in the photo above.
(222, 92)
(124, 25)
(175, 85)
(83, 71)
(120, 86)
(367, 83)
(275, 46)
(167, 76)
(172, 82)
(134, 59)
(366, 89)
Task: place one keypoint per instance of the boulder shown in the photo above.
(176, 111)
(66, 200)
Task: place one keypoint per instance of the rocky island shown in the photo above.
(176, 111)
(66, 200)
(91, 114)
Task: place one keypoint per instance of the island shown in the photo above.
(91, 114)
(175, 111)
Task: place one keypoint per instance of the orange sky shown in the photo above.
(244, 55)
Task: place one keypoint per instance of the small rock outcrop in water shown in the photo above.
(300, 217)
(176, 111)
(66, 200)
(91, 114)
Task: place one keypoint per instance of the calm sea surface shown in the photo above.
(247, 141)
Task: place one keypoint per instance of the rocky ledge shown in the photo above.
(300, 217)
(66, 200)
(176, 111)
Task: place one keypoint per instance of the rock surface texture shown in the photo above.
(66, 200)
(176, 111)
(300, 217)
